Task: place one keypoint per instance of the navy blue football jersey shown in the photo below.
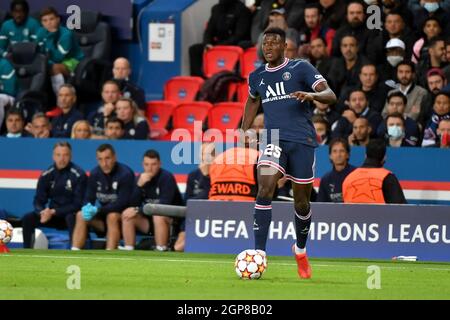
(274, 86)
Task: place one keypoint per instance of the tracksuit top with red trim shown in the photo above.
(289, 115)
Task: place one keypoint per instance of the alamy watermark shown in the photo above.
(74, 279)
(374, 280)
(374, 18)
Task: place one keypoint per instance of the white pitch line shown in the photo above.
(208, 261)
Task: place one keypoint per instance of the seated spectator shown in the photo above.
(447, 68)
(115, 129)
(396, 104)
(383, 186)
(8, 87)
(60, 45)
(121, 73)
(111, 184)
(59, 195)
(197, 187)
(21, 28)
(361, 133)
(326, 111)
(154, 185)
(277, 19)
(229, 24)
(62, 124)
(354, 25)
(436, 59)
(319, 57)
(431, 29)
(441, 110)
(40, 126)
(395, 124)
(359, 107)
(395, 54)
(333, 12)
(344, 70)
(443, 134)
(436, 81)
(415, 94)
(291, 51)
(430, 8)
(110, 95)
(81, 130)
(314, 29)
(375, 91)
(136, 127)
(330, 189)
(394, 28)
(322, 129)
(15, 124)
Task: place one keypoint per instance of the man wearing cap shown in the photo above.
(395, 53)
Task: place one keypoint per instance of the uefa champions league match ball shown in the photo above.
(250, 264)
(6, 232)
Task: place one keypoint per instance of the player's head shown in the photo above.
(339, 151)
(19, 10)
(62, 154)
(151, 162)
(273, 45)
(106, 158)
(376, 151)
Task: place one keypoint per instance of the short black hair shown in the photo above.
(277, 31)
(407, 63)
(48, 11)
(15, 112)
(376, 149)
(22, 3)
(395, 115)
(152, 154)
(115, 120)
(313, 6)
(106, 146)
(435, 40)
(63, 144)
(341, 140)
(397, 93)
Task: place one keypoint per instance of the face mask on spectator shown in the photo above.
(369, 2)
(394, 60)
(395, 132)
(14, 135)
(431, 6)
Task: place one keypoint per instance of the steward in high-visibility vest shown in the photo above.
(233, 175)
(372, 183)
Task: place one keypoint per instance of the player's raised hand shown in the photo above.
(303, 96)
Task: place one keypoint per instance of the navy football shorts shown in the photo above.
(296, 161)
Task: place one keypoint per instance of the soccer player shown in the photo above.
(285, 89)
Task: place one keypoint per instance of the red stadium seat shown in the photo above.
(158, 114)
(185, 114)
(221, 58)
(250, 62)
(182, 89)
(242, 92)
(225, 115)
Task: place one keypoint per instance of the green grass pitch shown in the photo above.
(42, 274)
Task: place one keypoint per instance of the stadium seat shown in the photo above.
(94, 38)
(225, 115)
(250, 62)
(182, 89)
(221, 58)
(158, 114)
(242, 92)
(31, 72)
(185, 114)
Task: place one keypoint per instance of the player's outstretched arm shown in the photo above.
(251, 108)
(323, 94)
